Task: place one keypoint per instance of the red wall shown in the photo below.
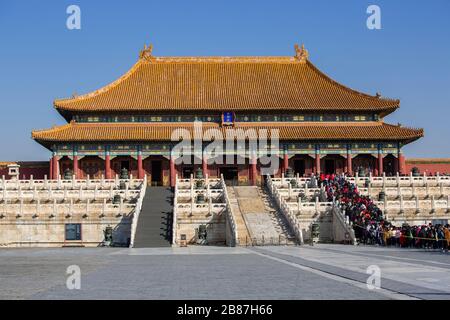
(429, 166)
(27, 168)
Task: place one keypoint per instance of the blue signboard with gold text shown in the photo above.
(228, 118)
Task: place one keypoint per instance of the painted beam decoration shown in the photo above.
(160, 148)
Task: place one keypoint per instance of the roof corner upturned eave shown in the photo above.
(63, 105)
(389, 105)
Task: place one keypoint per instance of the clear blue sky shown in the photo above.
(40, 59)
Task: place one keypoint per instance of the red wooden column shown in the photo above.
(401, 163)
(172, 171)
(205, 165)
(317, 161)
(380, 163)
(75, 166)
(55, 167)
(140, 166)
(254, 170)
(349, 163)
(107, 165)
(50, 174)
(285, 162)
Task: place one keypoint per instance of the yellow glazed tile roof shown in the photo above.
(224, 83)
(85, 132)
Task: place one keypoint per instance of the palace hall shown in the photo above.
(323, 126)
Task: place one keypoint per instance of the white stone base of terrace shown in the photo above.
(215, 213)
(52, 233)
(35, 213)
(425, 201)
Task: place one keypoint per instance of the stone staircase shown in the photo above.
(279, 222)
(155, 220)
(265, 225)
(241, 226)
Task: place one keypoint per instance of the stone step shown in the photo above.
(155, 225)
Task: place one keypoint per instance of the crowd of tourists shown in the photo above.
(369, 223)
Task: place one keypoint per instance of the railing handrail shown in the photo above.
(137, 211)
(285, 210)
(337, 213)
(230, 213)
(175, 213)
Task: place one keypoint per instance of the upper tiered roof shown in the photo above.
(225, 84)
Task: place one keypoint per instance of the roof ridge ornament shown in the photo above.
(146, 53)
(301, 53)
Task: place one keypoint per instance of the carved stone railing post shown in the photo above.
(316, 205)
(209, 205)
(104, 208)
(448, 203)
(192, 199)
(54, 207)
(289, 191)
(35, 194)
(433, 205)
(402, 211)
(95, 192)
(417, 205)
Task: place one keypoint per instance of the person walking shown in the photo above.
(447, 237)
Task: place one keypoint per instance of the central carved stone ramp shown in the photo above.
(265, 224)
(155, 220)
(241, 226)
